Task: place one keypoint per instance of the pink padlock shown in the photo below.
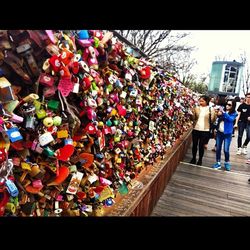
(90, 113)
(130, 133)
(16, 118)
(37, 184)
(51, 36)
(46, 79)
(92, 61)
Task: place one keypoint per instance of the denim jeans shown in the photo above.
(220, 137)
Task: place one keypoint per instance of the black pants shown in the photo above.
(199, 138)
(241, 127)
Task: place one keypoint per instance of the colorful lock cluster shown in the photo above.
(80, 119)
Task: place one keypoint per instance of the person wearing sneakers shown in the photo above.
(200, 133)
(224, 133)
(242, 124)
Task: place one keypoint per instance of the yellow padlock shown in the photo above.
(117, 138)
(119, 160)
(62, 134)
(113, 112)
(10, 207)
(25, 166)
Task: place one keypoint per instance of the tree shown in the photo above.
(149, 41)
(180, 65)
(199, 87)
(161, 46)
(165, 49)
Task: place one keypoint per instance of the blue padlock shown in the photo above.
(14, 134)
(11, 187)
(83, 34)
(68, 141)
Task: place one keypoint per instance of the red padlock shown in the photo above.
(2, 155)
(55, 63)
(66, 56)
(46, 79)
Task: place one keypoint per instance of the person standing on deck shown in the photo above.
(224, 133)
(242, 123)
(200, 133)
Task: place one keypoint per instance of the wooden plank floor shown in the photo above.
(238, 161)
(202, 191)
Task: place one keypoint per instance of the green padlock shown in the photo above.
(109, 123)
(41, 113)
(123, 189)
(96, 42)
(37, 104)
(53, 104)
(115, 122)
(48, 151)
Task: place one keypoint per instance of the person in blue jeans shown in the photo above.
(224, 133)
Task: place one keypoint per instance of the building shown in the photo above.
(226, 78)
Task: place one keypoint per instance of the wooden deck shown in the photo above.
(202, 191)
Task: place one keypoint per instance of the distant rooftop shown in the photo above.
(228, 62)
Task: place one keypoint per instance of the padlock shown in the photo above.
(28, 109)
(48, 122)
(62, 134)
(3, 154)
(46, 66)
(55, 63)
(30, 122)
(57, 120)
(76, 86)
(66, 56)
(25, 51)
(14, 134)
(46, 80)
(30, 98)
(53, 104)
(35, 170)
(45, 138)
(84, 66)
(74, 183)
(37, 184)
(48, 151)
(16, 118)
(41, 113)
(73, 169)
(57, 210)
(6, 94)
(91, 103)
(10, 207)
(117, 138)
(68, 141)
(11, 187)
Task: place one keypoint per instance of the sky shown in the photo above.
(228, 44)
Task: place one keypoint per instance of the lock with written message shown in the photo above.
(13, 132)
(45, 138)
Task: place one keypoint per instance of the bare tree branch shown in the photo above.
(166, 49)
(246, 83)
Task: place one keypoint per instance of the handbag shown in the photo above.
(212, 130)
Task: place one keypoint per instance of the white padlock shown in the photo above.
(45, 138)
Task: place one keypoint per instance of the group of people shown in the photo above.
(224, 115)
